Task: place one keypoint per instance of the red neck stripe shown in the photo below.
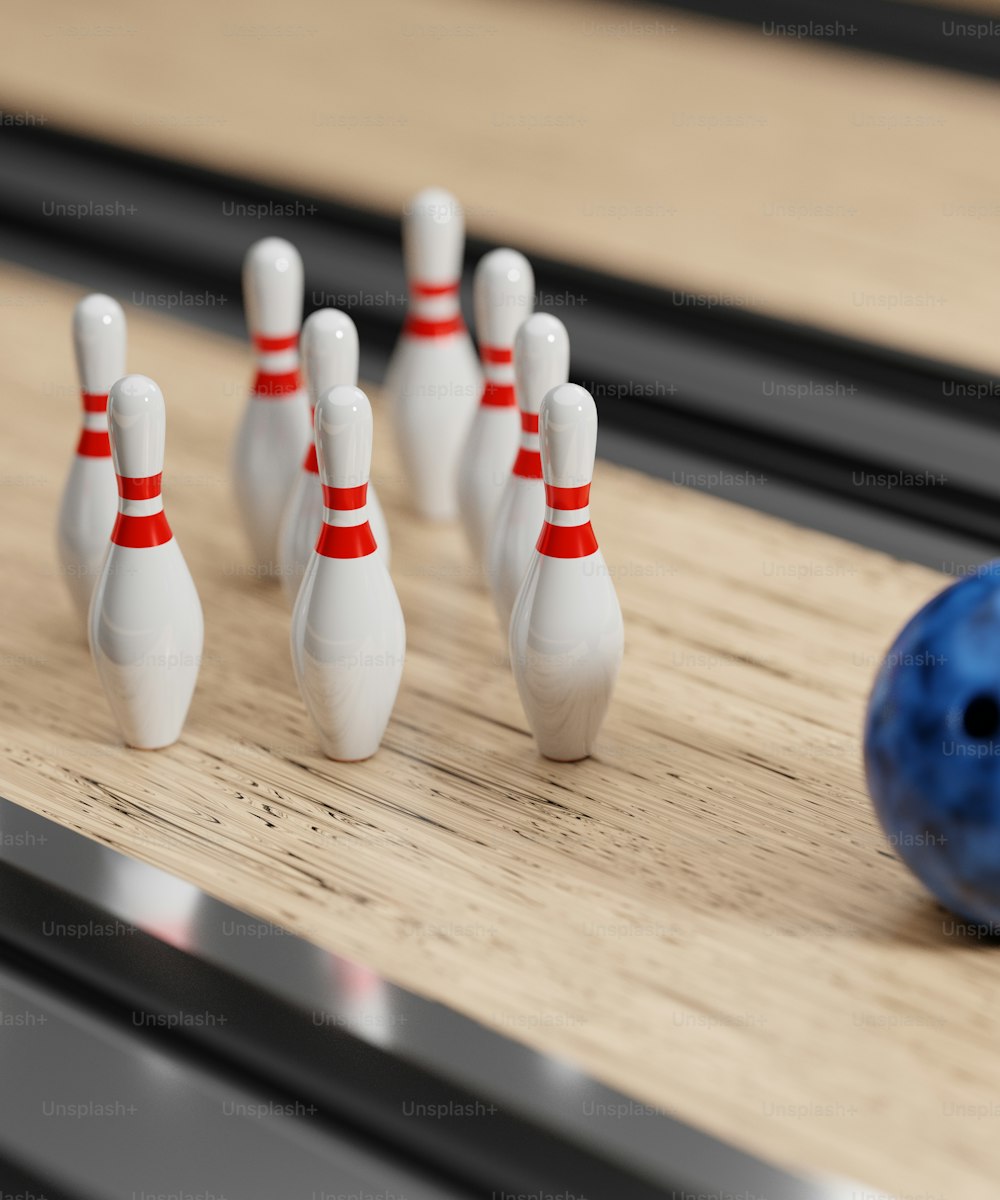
(419, 328)
(562, 497)
(95, 402)
(141, 532)
(434, 289)
(311, 463)
(346, 541)
(269, 386)
(496, 354)
(528, 464)
(94, 443)
(273, 345)
(135, 488)
(345, 499)
(498, 395)
(529, 422)
(566, 541)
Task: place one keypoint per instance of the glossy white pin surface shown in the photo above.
(329, 349)
(433, 380)
(504, 292)
(348, 639)
(541, 362)
(274, 431)
(90, 496)
(146, 628)
(566, 633)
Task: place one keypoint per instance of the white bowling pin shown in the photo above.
(504, 290)
(90, 497)
(433, 380)
(566, 636)
(348, 638)
(541, 362)
(329, 348)
(146, 628)
(274, 433)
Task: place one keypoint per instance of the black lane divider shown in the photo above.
(936, 35)
(270, 1044)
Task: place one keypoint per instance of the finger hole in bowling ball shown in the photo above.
(981, 718)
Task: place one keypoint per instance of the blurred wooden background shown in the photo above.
(858, 193)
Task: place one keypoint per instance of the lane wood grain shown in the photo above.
(704, 915)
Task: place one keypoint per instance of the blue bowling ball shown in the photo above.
(932, 745)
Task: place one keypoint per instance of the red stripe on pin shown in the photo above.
(434, 289)
(311, 463)
(563, 497)
(346, 541)
(418, 328)
(528, 464)
(345, 499)
(496, 354)
(269, 386)
(273, 345)
(141, 532)
(498, 395)
(95, 402)
(566, 541)
(94, 443)
(529, 422)
(146, 487)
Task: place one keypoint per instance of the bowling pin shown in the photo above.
(348, 638)
(274, 433)
(146, 628)
(541, 362)
(433, 380)
(329, 349)
(503, 296)
(566, 636)
(90, 497)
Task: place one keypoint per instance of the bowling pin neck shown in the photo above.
(566, 531)
(541, 359)
(343, 429)
(137, 423)
(278, 375)
(568, 427)
(273, 283)
(310, 464)
(329, 350)
(99, 343)
(140, 496)
(433, 309)
(433, 241)
(528, 463)
(345, 532)
(94, 441)
(498, 376)
(503, 291)
(345, 506)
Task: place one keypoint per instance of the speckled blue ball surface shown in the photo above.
(932, 745)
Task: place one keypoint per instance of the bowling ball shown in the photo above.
(932, 745)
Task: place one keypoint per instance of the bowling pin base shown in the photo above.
(361, 758)
(151, 749)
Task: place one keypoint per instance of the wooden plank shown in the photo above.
(705, 915)
(838, 188)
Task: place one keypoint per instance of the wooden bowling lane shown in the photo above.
(823, 185)
(704, 915)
